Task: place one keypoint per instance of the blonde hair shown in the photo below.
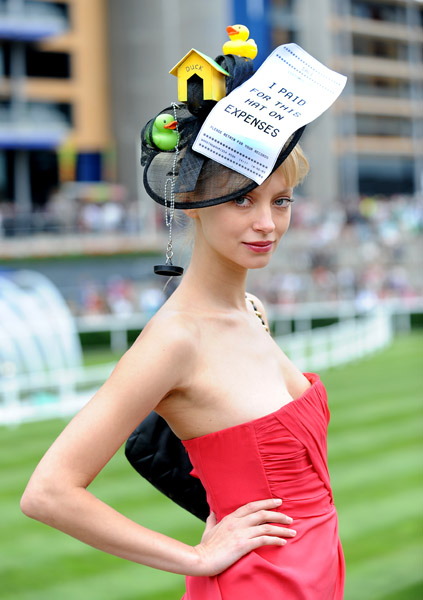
(295, 167)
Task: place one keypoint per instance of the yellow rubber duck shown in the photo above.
(239, 43)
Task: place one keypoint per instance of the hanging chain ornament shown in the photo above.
(169, 269)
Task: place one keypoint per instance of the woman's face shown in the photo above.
(247, 231)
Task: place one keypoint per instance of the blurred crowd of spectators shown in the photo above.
(89, 208)
(363, 252)
(118, 296)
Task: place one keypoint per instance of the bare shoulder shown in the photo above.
(158, 362)
(171, 337)
(259, 305)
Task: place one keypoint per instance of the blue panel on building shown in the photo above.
(88, 166)
(17, 29)
(27, 140)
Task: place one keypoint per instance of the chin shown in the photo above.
(256, 266)
(258, 263)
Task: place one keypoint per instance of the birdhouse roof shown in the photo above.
(212, 62)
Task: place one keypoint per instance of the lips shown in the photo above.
(259, 246)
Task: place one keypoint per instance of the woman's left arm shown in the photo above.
(57, 493)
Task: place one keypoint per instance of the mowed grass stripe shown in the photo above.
(114, 580)
(376, 409)
(363, 517)
(376, 470)
(373, 415)
(92, 569)
(380, 576)
(395, 371)
(379, 490)
(357, 442)
(379, 541)
(376, 464)
(413, 591)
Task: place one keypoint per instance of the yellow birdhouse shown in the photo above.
(197, 65)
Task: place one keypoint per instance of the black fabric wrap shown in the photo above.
(158, 455)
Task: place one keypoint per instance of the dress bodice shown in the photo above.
(283, 455)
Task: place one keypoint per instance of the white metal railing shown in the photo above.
(284, 320)
(57, 393)
(338, 344)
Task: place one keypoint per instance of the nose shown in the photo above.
(264, 220)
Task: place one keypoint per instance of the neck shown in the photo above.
(213, 280)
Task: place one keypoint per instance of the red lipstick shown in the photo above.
(259, 247)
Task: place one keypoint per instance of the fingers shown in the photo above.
(261, 512)
(253, 525)
(265, 540)
(266, 516)
(265, 522)
(252, 507)
(274, 530)
(259, 520)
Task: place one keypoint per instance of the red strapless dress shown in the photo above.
(281, 455)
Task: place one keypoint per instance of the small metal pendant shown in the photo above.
(168, 270)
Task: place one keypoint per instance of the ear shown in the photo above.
(192, 213)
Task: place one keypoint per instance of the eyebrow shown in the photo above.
(285, 191)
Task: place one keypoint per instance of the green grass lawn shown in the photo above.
(375, 460)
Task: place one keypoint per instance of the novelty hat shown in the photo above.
(232, 127)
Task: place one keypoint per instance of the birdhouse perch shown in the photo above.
(204, 67)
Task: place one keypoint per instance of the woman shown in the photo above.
(253, 424)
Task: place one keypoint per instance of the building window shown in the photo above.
(38, 114)
(385, 175)
(283, 36)
(370, 85)
(378, 11)
(44, 175)
(375, 125)
(55, 65)
(6, 176)
(47, 64)
(284, 25)
(5, 59)
(38, 8)
(389, 49)
(3, 176)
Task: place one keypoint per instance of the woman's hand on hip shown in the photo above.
(253, 525)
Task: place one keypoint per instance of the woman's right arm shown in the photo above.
(57, 493)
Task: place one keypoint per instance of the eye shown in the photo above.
(242, 201)
(283, 202)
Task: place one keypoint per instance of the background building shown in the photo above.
(73, 71)
(54, 101)
(371, 138)
(79, 79)
(374, 132)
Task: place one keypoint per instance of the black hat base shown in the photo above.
(168, 270)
